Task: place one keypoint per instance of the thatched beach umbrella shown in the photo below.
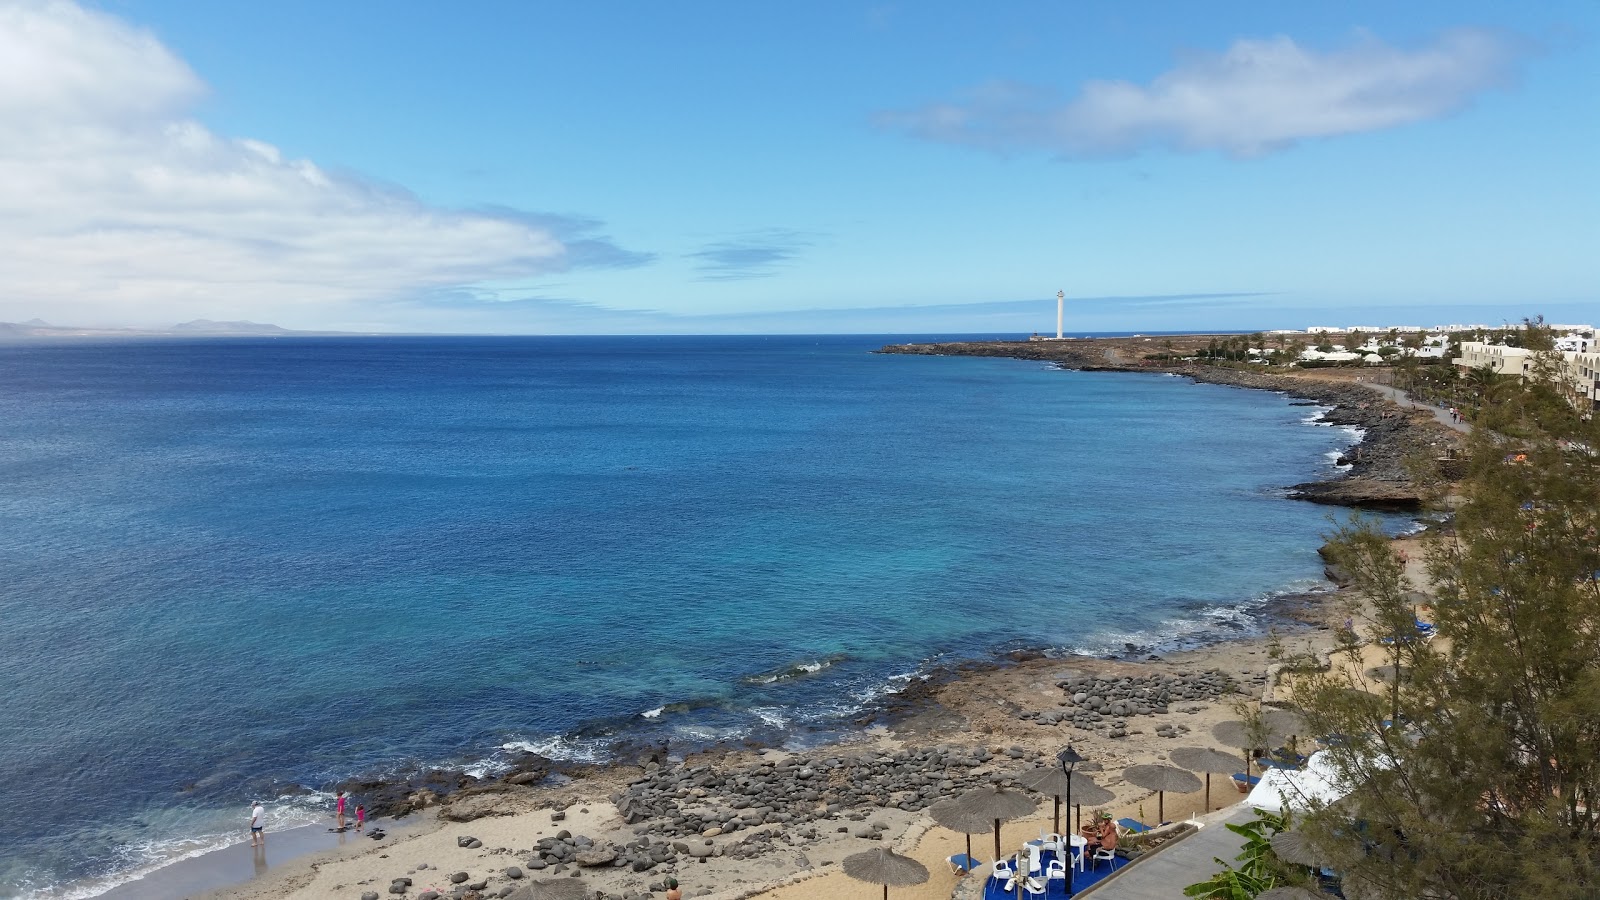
(996, 804)
(1234, 733)
(1054, 782)
(1162, 779)
(881, 865)
(1084, 790)
(1281, 725)
(552, 889)
(1284, 726)
(1204, 759)
(952, 815)
(1292, 847)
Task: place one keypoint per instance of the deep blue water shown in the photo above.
(227, 566)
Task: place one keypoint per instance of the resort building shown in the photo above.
(1579, 372)
(1501, 360)
(1583, 369)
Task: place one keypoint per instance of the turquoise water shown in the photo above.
(231, 567)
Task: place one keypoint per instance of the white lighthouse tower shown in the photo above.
(1061, 299)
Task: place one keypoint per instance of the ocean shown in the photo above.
(249, 568)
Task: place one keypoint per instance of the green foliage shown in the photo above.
(1260, 868)
(1477, 774)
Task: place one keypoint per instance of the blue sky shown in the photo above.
(821, 167)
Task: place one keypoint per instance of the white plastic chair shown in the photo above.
(1107, 855)
(1035, 887)
(1055, 871)
(1002, 871)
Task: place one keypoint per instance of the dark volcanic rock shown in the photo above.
(1367, 493)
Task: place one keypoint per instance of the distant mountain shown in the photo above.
(207, 326)
(12, 332)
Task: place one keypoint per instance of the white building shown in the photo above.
(1583, 370)
(1502, 360)
(1579, 371)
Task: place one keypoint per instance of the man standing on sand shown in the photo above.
(258, 824)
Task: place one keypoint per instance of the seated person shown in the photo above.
(1102, 832)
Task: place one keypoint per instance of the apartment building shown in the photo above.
(1579, 371)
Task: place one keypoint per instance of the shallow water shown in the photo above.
(232, 566)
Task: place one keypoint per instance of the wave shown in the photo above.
(797, 670)
(206, 831)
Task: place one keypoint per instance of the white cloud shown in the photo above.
(1258, 97)
(115, 204)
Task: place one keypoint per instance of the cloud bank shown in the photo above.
(116, 204)
(756, 255)
(1258, 97)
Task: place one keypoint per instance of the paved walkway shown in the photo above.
(1166, 873)
(1404, 401)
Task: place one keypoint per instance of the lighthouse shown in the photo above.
(1061, 299)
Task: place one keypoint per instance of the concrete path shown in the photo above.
(1404, 401)
(1167, 872)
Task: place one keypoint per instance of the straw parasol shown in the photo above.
(1084, 790)
(1204, 759)
(1281, 725)
(1162, 779)
(958, 818)
(552, 889)
(1290, 893)
(1054, 782)
(1292, 847)
(880, 865)
(995, 803)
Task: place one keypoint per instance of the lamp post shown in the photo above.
(1069, 758)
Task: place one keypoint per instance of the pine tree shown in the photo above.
(1476, 762)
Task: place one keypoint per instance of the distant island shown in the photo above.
(39, 329)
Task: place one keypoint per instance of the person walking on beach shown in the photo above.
(340, 810)
(361, 817)
(672, 890)
(258, 824)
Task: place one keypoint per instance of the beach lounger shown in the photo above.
(1245, 782)
(964, 862)
(1132, 826)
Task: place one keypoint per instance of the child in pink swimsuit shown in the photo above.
(361, 817)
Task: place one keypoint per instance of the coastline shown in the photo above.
(958, 729)
(940, 704)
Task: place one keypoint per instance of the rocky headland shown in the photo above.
(1392, 467)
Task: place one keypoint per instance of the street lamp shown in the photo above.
(1069, 758)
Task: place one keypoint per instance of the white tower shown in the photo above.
(1061, 298)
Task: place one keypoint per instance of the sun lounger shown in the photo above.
(964, 863)
(1132, 826)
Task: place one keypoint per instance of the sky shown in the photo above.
(819, 167)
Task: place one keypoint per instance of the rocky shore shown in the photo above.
(1389, 469)
(735, 823)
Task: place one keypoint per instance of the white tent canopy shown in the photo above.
(1284, 788)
